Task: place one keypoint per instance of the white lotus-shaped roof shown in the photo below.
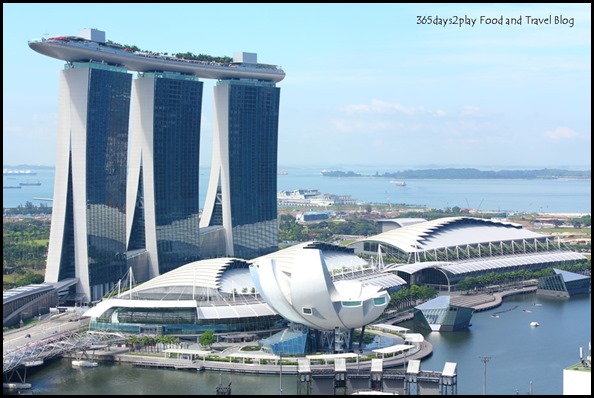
(300, 288)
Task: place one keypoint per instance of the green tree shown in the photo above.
(207, 338)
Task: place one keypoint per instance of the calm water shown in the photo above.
(520, 354)
(60, 378)
(555, 196)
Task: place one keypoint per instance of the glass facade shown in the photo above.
(87, 240)
(563, 284)
(553, 283)
(253, 152)
(137, 235)
(439, 315)
(178, 321)
(176, 155)
(67, 267)
(106, 161)
(286, 343)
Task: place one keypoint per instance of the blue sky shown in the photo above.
(366, 84)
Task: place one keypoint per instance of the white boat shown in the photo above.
(32, 363)
(398, 183)
(534, 324)
(84, 364)
(16, 386)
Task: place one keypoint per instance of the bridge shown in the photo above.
(49, 339)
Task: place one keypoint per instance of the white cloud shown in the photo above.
(379, 106)
(470, 110)
(361, 126)
(561, 133)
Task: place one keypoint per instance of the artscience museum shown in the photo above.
(309, 297)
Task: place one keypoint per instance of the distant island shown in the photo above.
(451, 173)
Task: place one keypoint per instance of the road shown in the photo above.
(50, 325)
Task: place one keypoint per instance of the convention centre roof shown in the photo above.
(491, 263)
(452, 231)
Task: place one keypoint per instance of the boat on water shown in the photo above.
(33, 363)
(283, 172)
(30, 183)
(534, 324)
(16, 386)
(81, 363)
(17, 172)
(398, 183)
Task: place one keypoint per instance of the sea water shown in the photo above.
(522, 358)
(542, 195)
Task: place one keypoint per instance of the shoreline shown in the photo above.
(482, 302)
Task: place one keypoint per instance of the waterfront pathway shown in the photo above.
(479, 302)
(487, 301)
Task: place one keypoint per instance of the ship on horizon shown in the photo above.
(18, 172)
(30, 183)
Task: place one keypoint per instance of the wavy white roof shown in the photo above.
(485, 264)
(203, 273)
(451, 231)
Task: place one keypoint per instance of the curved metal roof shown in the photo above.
(415, 267)
(203, 273)
(511, 261)
(401, 222)
(477, 264)
(387, 280)
(205, 310)
(451, 231)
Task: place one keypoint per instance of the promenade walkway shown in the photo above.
(289, 364)
(479, 302)
(486, 301)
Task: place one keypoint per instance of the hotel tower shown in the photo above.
(127, 169)
(163, 203)
(242, 190)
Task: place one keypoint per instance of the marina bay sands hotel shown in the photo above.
(127, 165)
